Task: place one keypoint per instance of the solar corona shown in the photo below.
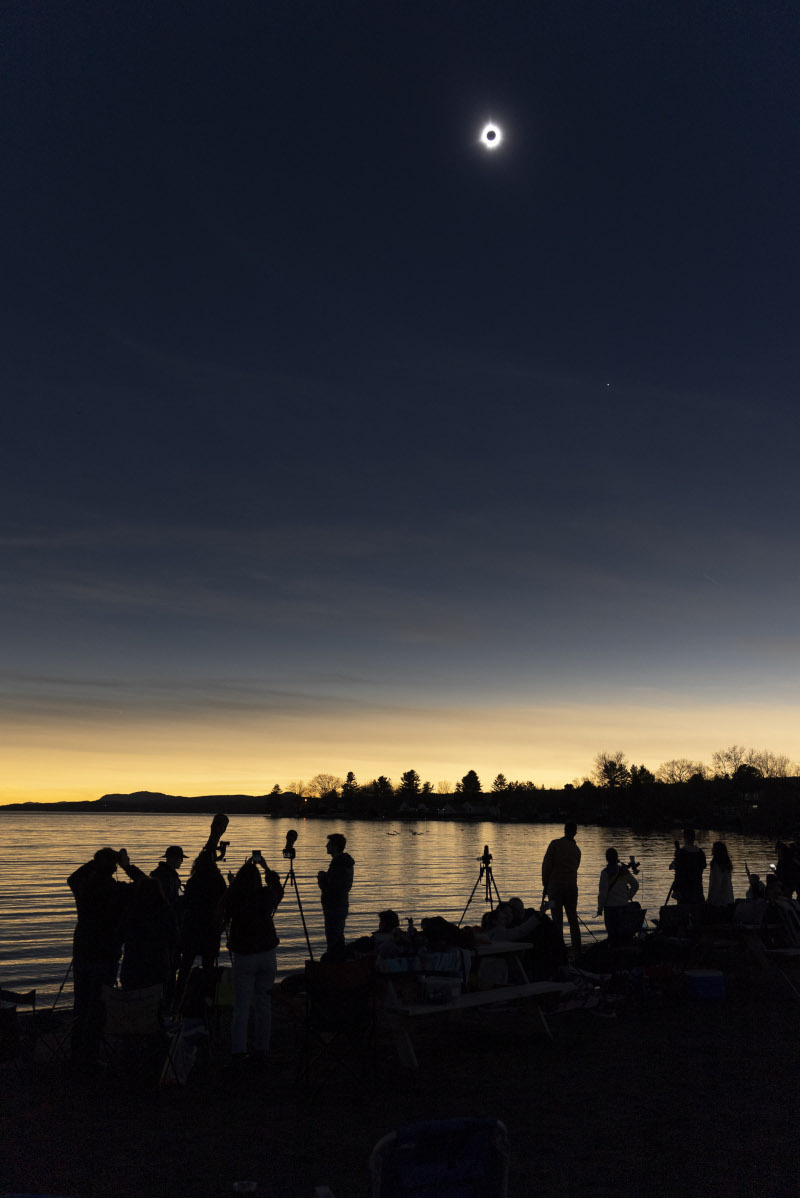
(491, 136)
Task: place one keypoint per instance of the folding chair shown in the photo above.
(137, 1043)
(339, 1031)
(17, 1042)
(448, 1158)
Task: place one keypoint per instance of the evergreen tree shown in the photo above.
(409, 783)
(471, 785)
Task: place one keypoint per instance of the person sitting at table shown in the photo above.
(504, 926)
(388, 921)
(539, 930)
(520, 911)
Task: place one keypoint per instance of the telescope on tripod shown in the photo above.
(289, 855)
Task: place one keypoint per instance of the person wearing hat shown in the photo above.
(335, 884)
(166, 873)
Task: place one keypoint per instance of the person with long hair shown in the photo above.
(252, 941)
(720, 876)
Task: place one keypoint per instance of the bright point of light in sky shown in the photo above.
(491, 136)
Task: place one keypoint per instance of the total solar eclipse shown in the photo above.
(491, 137)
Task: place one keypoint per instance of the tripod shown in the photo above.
(289, 854)
(486, 876)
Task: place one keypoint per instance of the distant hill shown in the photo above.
(148, 800)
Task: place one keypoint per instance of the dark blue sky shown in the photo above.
(321, 420)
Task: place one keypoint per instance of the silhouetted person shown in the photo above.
(101, 901)
(772, 888)
(560, 882)
(688, 864)
(720, 876)
(520, 914)
(787, 867)
(166, 874)
(203, 912)
(150, 939)
(756, 888)
(617, 887)
(388, 923)
(252, 941)
(335, 884)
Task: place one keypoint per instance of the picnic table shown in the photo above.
(408, 996)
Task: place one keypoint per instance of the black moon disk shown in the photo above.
(491, 136)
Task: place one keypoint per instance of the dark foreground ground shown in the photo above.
(671, 1096)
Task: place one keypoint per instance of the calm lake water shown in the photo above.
(418, 868)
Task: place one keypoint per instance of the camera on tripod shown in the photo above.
(631, 864)
(485, 858)
(485, 876)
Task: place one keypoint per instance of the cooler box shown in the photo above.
(705, 983)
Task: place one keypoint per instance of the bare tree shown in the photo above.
(444, 788)
(323, 784)
(611, 769)
(680, 769)
(296, 787)
(727, 761)
(771, 765)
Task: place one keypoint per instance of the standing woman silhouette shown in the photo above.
(252, 941)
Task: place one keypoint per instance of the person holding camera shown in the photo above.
(252, 942)
(617, 888)
(203, 912)
(101, 901)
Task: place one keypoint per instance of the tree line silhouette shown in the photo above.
(745, 788)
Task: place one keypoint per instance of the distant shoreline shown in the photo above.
(289, 807)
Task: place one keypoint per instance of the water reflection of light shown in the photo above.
(430, 874)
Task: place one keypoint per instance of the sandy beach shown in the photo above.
(670, 1095)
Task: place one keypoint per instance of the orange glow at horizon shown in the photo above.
(223, 754)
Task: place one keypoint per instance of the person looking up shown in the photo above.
(688, 864)
(756, 888)
(252, 941)
(617, 888)
(720, 876)
(560, 882)
(203, 912)
(335, 883)
(101, 901)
